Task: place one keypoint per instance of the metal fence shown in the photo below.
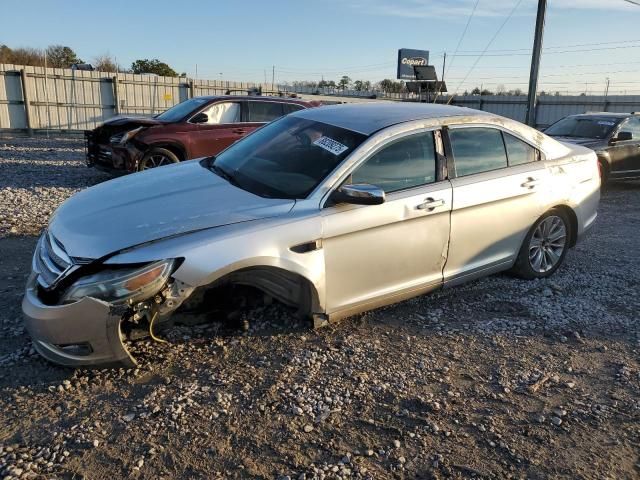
(35, 98)
(549, 108)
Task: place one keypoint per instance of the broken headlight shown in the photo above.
(121, 285)
(122, 138)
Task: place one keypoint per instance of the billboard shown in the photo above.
(409, 58)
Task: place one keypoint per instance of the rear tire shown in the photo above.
(544, 247)
(157, 157)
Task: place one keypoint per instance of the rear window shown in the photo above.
(291, 107)
(477, 150)
(518, 152)
(264, 111)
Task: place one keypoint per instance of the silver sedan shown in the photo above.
(334, 210)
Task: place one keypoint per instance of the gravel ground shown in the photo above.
(499, 378)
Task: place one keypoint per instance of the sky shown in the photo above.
(586, 41)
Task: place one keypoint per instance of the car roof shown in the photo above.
(369, 117)
(603, 114)
(254, 97)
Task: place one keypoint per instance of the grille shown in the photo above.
(50, 260)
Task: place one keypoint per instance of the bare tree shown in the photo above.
(105, 63)
(27, 56)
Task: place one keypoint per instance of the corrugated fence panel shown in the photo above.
(65, 99)
(12, 114)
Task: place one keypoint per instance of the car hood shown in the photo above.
(152, 205)
(585, 142)
(133, 121)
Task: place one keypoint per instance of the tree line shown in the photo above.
(346, 83)
(61, 56)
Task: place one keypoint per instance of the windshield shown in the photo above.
(287, 158)
(181, 110)
(587, 127)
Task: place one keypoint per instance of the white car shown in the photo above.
(335, 210)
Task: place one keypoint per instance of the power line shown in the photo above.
(632, 2)
(550, 53)
(464, 32)
(493, 67)
(556, 46)
(513, 10)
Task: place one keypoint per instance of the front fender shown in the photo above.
(211, 254)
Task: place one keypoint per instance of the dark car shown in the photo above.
(198, 127)
(615, 137)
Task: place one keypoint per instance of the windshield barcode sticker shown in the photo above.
(330, 145)
(608, 124)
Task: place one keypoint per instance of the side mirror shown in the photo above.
(359, 194)
(200, 118)
(622, 137)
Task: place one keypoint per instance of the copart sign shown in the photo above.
(409, 58)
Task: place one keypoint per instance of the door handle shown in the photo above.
(430, 204)
(531, 183)
(239, 130)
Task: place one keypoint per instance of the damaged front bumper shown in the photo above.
(84, 333)
(115, 159)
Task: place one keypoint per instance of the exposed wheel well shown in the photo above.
(573, 219)
(289, 288)
(177, 150)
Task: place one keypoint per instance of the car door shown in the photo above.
(220, 130)
(259, 112)
(496, 199)
(378, 253)
(625, 155)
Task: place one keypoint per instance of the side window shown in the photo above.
(226, 112)
(477, 150)
(405, 163)
(632, 125)
(518, 151)
(291, 107)
(264, 111)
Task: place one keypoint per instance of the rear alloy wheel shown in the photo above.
(544, 247)
(157, 157)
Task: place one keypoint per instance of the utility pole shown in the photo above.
(444, 64)
(535, 63)
(273, 78)
(606, 89)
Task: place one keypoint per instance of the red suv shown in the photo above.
(198, 127)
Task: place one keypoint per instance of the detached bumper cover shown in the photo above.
(89, 326)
